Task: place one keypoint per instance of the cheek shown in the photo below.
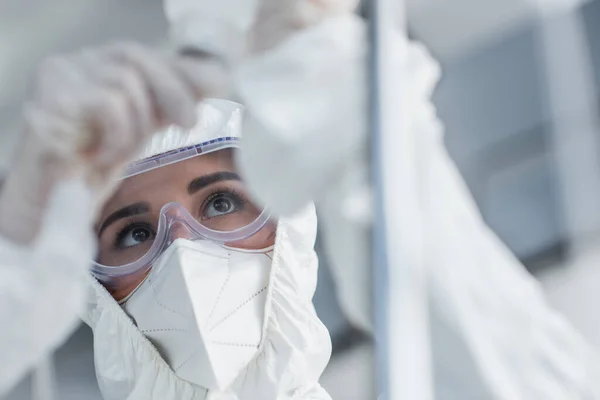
(266, 236)
(260, 240)
(121, 289)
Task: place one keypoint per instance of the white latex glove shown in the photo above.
(234, 29)
(89, 115)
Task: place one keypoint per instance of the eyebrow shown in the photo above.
(143, 207)
(125, 212)
(206, 180)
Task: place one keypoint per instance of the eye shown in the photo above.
(222, 204)
(133, 235)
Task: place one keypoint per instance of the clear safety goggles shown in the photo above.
(192, 193)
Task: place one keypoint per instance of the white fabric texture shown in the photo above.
(493, 335)
(294, 351)
(42, 285)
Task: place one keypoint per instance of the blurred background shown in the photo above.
(518, 98)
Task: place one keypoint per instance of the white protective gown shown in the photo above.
(42, 286)
(492, 334)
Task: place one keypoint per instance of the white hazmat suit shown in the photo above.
(42, 284)
(492, 335)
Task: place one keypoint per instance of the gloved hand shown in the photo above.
(211, 26)
(255, 26)
(89, 115)
(276, 20)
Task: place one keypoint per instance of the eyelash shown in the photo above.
(127, 228)
(238, 195)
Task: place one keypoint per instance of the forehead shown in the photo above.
(169, 179)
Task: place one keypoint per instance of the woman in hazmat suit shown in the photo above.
(196, 292)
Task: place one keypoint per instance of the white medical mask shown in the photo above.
(202, 306)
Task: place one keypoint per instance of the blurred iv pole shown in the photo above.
(573, 103)
(402, 327)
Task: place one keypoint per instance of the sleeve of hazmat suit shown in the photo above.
(42, 285)
(90, 113)
(492, 334)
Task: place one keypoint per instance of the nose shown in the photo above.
(179, 230)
